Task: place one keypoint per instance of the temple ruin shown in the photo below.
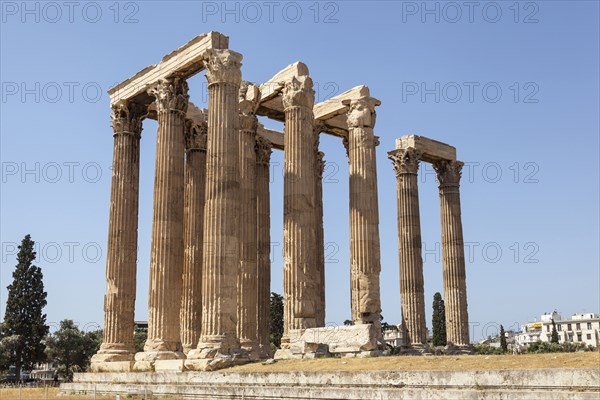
(208, 305)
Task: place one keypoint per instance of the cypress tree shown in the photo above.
(438, 321)
(503, 343)
(24, 323)
(554, 337)
(276, 319)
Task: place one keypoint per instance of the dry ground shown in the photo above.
(450, 363)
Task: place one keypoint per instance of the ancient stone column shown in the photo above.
(299, 233)
(121, 260)
(406, 164)
(193, 231)
(365, 265)
(263, 238)
(247, 278)
(166, 252)
(453, 255)
(221, 260)
(320, 247)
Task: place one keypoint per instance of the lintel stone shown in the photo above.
(185, 61)
(431, 150)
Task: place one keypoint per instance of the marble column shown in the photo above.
(263, 238)
(193, 231)
(121, 260)
(453, 255)
(365, 264)
(221, 260)
(166, 252)
(406, 164)
(299, 232)
(247, 278)
(320, 236)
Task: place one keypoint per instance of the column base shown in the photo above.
(216, 352)
(155, 360)
(458, 349)
(111, 353)
(251, 348)
(416, 349)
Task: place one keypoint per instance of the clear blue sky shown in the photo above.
(515, 88)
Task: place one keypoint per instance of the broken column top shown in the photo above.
(431, 150)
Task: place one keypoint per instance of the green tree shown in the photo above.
(554, 337)
(438, 322)
(24, 323)
(348, 322)
(503, 344)
(276, 319)
(71, 349)
(139, 338)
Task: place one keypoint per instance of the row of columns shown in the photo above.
(210, 253)
(406, 164)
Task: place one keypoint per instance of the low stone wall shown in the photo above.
(539, 384)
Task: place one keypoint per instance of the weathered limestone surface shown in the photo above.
(335, 339)
(365, 264)
(299, 203)
(193, 231)
(263, 238)
(218, 343)
(406, 164)
(166, 254)
(247, 276)
(320, 236)
(538, 384)
(453, 253)
(119, 301)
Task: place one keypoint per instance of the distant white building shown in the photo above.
(581, 328)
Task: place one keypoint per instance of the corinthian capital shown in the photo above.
(263, 150)
(361, 112)
(448, 173)
(223, 66)
(196, 134)
(249, 101)
(171, 94)
(126, 118)
(298, 92)
(406, 161)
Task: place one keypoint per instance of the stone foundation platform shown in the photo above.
(537, 384)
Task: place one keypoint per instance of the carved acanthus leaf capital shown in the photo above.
(126, 118)
(196, 135)
(361, 112)
(298, 92)
(171, 94)
(263, 150)
(223, 66)
(249, 99)
(448, 172)
(405, 161)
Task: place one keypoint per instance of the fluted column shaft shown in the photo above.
(193, 233)
(222, 206)
(406, 164)
(299, 237)
(121, 260)
(263, 237)
(166, 253)
(365, 264)
(247, 278)
(453, 255)
(320, 247)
